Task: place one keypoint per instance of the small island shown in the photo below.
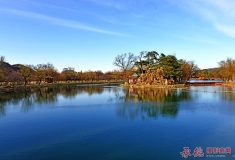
(154, 78)
(147, 70)
(151, 69)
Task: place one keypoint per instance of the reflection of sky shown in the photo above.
(82, 98)
(90, 99)
(85, 99)
(87, 125)
(210, 99)
(212, 93)
(205, 81)
(200, 95)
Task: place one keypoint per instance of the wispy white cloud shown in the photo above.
(113, 20)
(59, 21)
(57, 6)
(220, 13)
(110, 3)
(226, 29)
(197, 38)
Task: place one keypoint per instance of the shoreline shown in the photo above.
(154, 86)
(16, 88)
(229, 84)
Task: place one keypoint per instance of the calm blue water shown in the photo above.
(109, 122)
(193, 81)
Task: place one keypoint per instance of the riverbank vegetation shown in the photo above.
(178, 69)
(45, 73)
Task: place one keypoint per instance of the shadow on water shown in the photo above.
(131, 103)
(2, 109)
(227, 93)
(45, 95)
(154, 103)
(150, 103)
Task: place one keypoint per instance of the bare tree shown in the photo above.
(189, 69)
(125, 62)
(99, 74)
(227, 69)
(69, 74)
(49, 69)
(39, 72)
(2, 59)
(26, 71)
(14, 78)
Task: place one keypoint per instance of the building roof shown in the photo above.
(48, 77)
(135, 75)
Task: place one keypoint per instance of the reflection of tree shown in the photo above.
(69, 91)
(228, 93)
(46, 95)
(156, 95)
(149, 109)
(152, 102)
(2, 109)
(27, 102)
(26, 99)
(72, 91)
(90, 89)
(170, 109)
(129, 111)
(9, 98)
(119, 94)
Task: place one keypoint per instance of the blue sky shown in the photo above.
(89, 34)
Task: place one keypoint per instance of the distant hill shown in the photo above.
(7, 68)
(210, 69)
(17, 66)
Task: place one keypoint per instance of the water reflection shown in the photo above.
(151, 103)
(148, 110)
(157, 95)
(228, 93)
(27, 102)
(27, 99)
(131, 103)
(2, 109)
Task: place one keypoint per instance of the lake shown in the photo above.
(196, 81)
(108, 122)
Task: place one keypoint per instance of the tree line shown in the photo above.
(225, 71)
(25, 74)
(178, 69)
